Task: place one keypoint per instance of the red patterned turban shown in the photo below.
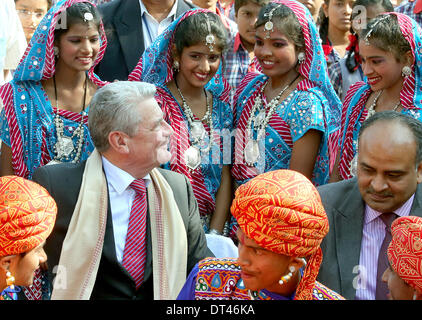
(281, 211)
(27, 215)
(405, 250)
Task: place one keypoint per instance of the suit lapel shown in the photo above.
(128, 26)
(349, 228)
(417, 200)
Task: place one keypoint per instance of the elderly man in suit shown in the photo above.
(361, 210)
(125, 228)
(131, 26)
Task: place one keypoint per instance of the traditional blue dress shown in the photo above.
(312, 105)
(155, 66)
(27, 119)
(354, 110)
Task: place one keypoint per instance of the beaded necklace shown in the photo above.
(64, 147)
(371, 109)
(192, 155)
(260, 121)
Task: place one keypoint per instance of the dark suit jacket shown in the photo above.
(63, 182)
(345, 209)
(125, 41)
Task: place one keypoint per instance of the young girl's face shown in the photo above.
(79, 47)
(198, 64)
(338, 13)
(277, 54)
(380, 67)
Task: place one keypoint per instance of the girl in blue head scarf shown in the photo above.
(391, 48)
(185, 64)
(44, 117)
(289, 116)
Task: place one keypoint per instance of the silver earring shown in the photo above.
(176, 65)
(56, 51)
(406, 71)
(286, 278)
(301, 57)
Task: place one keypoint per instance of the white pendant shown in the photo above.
(268, 26)
(251, 152)
(197, 131)
(259, 119)
(192, 157)
(64, 146)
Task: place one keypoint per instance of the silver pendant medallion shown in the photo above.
(197, 131)
(192, 157)
(251, 152)
(64, 146)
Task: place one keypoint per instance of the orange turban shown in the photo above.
(281, 211)
(27, 215)
(405, 250)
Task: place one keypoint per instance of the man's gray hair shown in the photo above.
(414, 125)
(114, 108)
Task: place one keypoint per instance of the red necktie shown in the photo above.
(134, 254)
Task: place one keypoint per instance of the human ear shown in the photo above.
(409, 58)
(6, 261)
(419, 172)
(298, 263)
(119, 141)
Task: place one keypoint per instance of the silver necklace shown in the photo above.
(260, 121)
(64, 148)
(192, 155)
(371, 109)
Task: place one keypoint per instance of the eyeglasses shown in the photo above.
(25, 12)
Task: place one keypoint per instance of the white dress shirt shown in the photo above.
(151, 27)
(372, 238)
(121, 196)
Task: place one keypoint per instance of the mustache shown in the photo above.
(370, 190)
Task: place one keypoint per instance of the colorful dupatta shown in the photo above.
(155, 66)
(314, 90)
(354, 111)
(26, 123)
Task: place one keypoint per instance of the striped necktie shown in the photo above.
(134, 253)
(382, 288)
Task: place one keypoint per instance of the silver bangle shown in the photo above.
(214, 231)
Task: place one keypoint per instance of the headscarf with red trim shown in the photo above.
(282, 212)
(405, 250)
(27, 215)
(354, 110)
(27, 119)
(316, 80)
(156, 67)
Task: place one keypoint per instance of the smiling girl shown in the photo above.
(45, 106)
(185, 65)
(287, 116)
(389, 48)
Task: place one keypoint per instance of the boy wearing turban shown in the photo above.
(404, 276)
(281, 225)
(27, 217)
